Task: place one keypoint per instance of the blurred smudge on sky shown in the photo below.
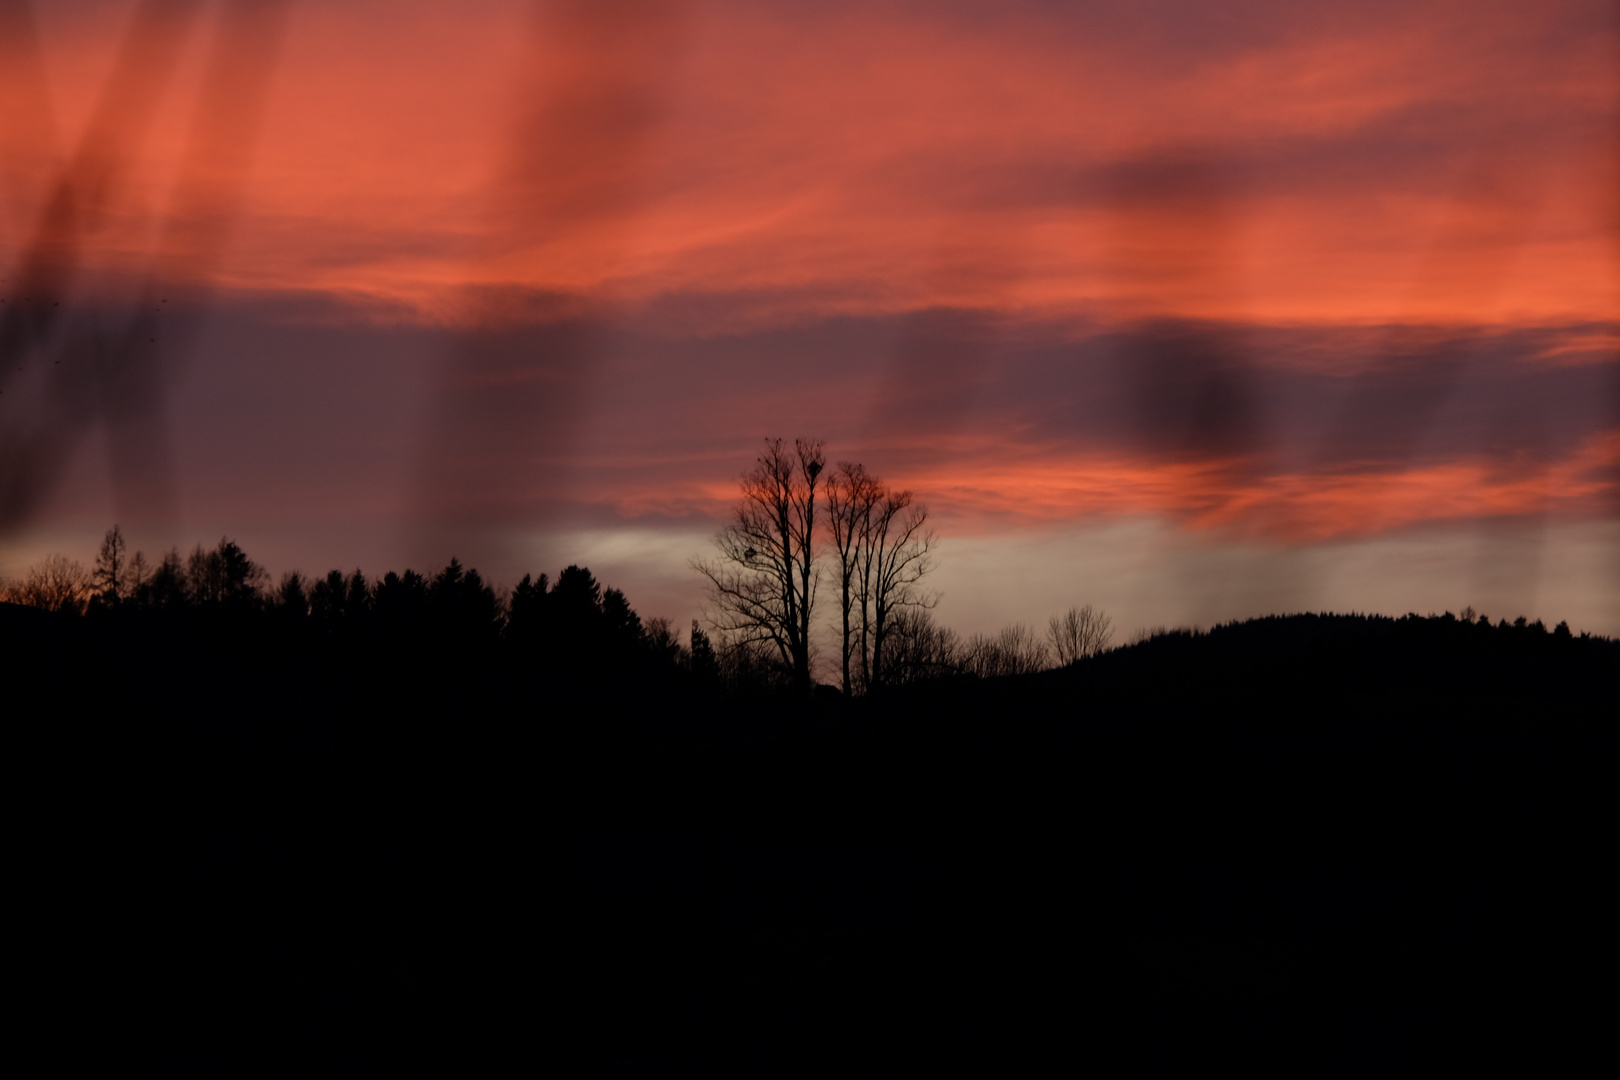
(1195, 311)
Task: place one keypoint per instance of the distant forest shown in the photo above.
(572, 623)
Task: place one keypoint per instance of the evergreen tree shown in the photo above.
(111, 573)
(705, 664)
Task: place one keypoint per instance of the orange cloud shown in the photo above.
(537, 177)
(1426, 163)
(1223, 496)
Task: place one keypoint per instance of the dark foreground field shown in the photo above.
(1303, 847)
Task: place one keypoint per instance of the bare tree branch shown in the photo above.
(900, 554)
(762, 586)
(1079, 633)
(851, 495)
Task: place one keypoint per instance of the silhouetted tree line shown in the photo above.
(572, 623)
(759, 635)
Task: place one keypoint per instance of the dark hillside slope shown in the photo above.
(1434, 670)
(1308, 846)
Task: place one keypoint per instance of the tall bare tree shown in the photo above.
(884, 548)
(852, 492)
(762, 587)
(897, 552)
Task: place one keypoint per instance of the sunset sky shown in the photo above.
(1193, 311)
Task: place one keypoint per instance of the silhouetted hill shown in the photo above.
(1302, 668)
(1310, 845)
(1300, 846)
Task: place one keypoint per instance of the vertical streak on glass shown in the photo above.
(505, 420)
(133, 361)
(41, 327)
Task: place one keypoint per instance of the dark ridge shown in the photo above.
(1311, 845)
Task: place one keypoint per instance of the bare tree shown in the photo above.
(883, 546)
(1079, 633)
(55, 583)
(851, 495)
(896, 555)
(916, 648)
(762, 588)
(1016, 650)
